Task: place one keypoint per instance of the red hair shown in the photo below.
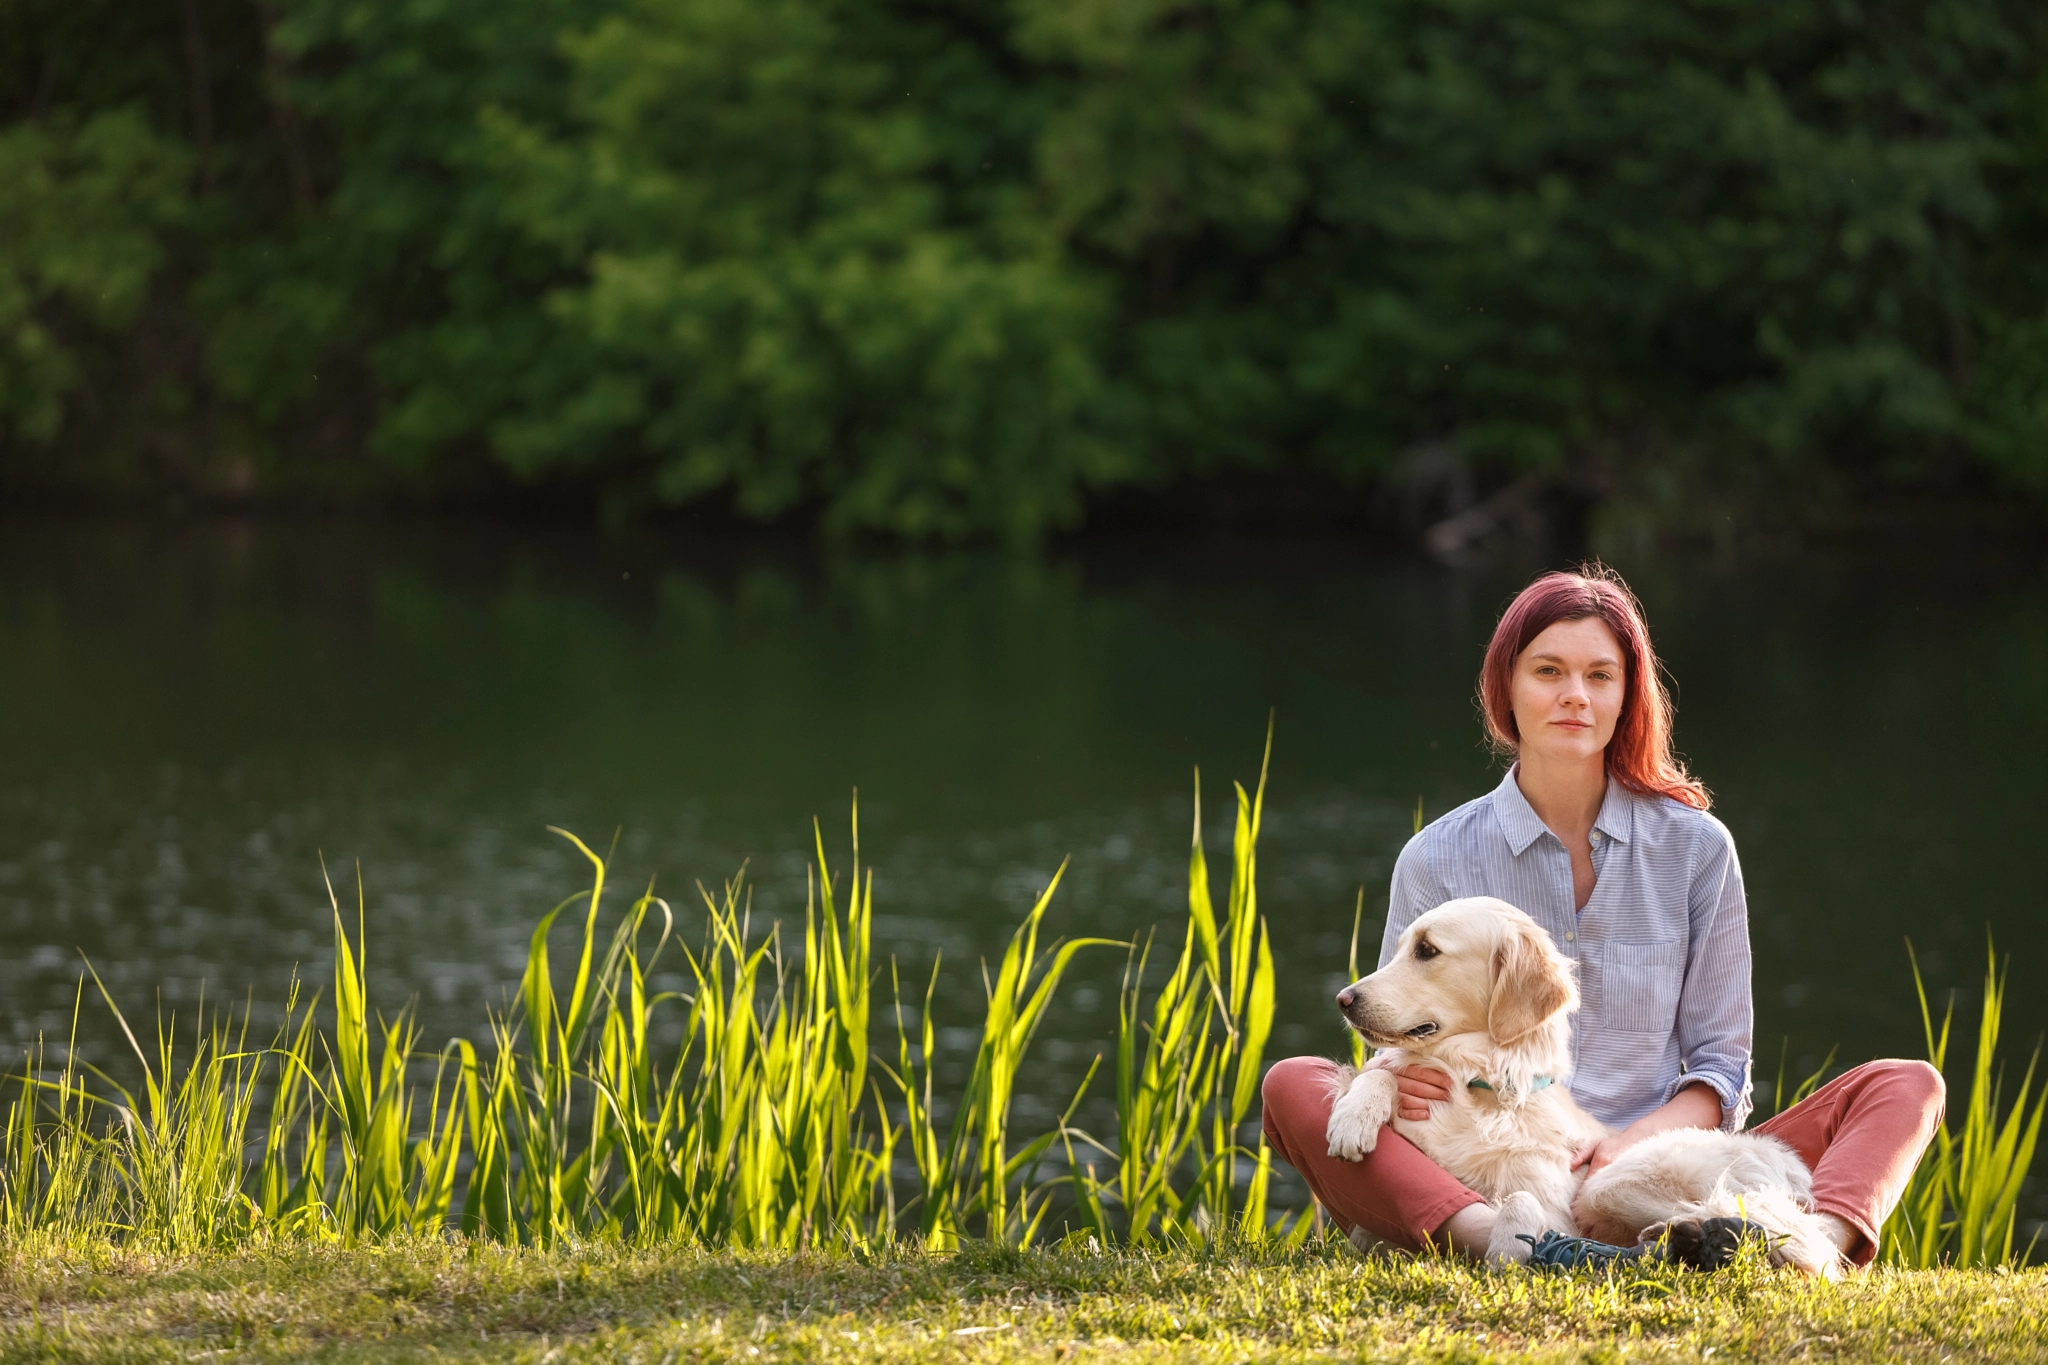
(1639, 756)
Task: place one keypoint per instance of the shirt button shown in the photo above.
(1570, 937)
(1596, 836)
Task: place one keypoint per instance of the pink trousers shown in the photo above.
(1861, 1135)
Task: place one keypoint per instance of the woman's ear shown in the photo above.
(1532, 982)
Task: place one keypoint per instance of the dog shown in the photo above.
(1477, 990)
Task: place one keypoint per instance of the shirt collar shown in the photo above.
(1617, 818)
(1522, 826)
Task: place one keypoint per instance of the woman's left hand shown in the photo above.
(1695, 1106)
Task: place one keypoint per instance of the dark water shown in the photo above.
(193, 715)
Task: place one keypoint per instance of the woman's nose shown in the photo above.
(1346, 998)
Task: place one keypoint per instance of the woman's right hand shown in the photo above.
(1420, 1086)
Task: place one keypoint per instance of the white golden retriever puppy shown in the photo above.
(1479, 991)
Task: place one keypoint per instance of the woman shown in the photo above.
(1601, 835)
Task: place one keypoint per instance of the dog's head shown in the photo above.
(1476, 965)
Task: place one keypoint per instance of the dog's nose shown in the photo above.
(1345, 998)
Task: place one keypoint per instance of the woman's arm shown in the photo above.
(1413, 889)
(1715, 1018)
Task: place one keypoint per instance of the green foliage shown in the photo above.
(949, 270)
(793, 286)
(84, 205)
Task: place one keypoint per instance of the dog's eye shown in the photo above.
(1425, 950)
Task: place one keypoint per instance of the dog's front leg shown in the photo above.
(1520, 1215)
(1361, 1110)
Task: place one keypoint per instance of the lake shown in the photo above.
(196, 713)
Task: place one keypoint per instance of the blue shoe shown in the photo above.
(1554, 1251)
(1702, 1243)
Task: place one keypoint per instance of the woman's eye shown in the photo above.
(1425, 950)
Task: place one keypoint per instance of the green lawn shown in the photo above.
(422, 1300)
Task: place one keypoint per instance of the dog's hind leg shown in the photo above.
(1705, 1232)
(1806, 1246)
(1798, 1237)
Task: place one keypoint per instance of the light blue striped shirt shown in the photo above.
(1662, 946)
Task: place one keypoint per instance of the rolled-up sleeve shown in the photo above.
(1415, 888)
(1715, 1020)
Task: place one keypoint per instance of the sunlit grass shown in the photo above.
(418, 1298)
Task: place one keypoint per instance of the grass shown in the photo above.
(420, 1298)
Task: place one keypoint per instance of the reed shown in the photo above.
(1188, 1067)
(973, 1170)
(55, 1176)
(761, 1130)
(161, 1166)
(1961, 1206)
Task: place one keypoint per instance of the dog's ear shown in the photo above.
(1531, 983)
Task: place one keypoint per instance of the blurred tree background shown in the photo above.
(973, 268)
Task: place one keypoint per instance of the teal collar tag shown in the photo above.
(1476, 1084)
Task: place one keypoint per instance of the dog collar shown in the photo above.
(1537, 1083)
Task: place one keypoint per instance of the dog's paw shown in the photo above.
(1360, 1112)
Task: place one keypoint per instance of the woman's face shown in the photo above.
(1568, 689)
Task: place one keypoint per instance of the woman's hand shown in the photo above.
(1597, 1156)
(1419, 1086)
(1696, 1106)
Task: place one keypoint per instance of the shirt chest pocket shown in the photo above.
(1639, 986)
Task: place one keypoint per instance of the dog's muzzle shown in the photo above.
(1351, 1003)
